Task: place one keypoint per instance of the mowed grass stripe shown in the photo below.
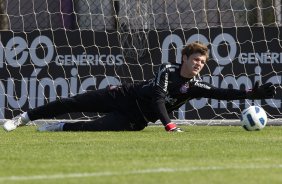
(147, 171)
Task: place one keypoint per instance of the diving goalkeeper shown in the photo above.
(129, 107)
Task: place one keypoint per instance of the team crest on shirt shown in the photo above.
(184, 88)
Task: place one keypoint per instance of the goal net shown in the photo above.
(57, 49)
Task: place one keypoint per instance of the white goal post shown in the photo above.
(56, 49)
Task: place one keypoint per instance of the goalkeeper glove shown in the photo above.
(171, 127)
(264, 91)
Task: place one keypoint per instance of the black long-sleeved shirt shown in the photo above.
(168, 91)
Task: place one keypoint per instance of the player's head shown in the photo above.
(194, 57)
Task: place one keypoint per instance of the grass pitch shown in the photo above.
(201, 154)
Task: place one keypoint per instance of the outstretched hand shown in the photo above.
(263, 91)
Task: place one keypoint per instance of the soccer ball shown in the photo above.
(253, 118)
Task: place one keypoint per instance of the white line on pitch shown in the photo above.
(146, 171)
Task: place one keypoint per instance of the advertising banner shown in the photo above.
(41, 66)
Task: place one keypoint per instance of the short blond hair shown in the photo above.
(195, 47)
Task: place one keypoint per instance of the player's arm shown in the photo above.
(159, 94)
(258, 92)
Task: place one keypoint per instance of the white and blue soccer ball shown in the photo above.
(253, 118)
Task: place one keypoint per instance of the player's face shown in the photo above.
(192, 65)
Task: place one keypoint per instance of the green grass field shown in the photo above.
(202, 154)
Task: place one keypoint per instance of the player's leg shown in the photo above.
(94, 101)
(113, 121)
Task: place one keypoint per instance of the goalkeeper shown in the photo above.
(129, 107)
